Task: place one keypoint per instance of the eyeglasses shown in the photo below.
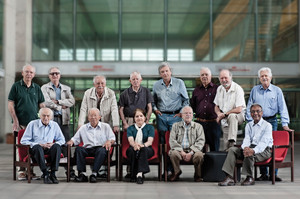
(54, 73)
(257, 111)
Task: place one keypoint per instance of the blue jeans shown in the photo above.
(164, 123)
(274, 123)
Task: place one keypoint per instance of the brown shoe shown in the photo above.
(248, 181)
(227, 182)
(175, 177)
(198, 179)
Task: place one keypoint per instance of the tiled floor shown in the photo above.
(183, 189)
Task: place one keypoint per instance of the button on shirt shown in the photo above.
(272, 101)
(91, 136)
(202, 101)
(185, 141)
(171, 98)
(37, 133)
(58, 96)
(259, 134)
(231, 99)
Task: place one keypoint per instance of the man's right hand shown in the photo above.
(125, 126)
(70, 142)
(16, 126)
(157, 112)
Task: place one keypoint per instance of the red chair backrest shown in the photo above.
(21, 150)
(167, 137)
(280, 138)
(155, 144)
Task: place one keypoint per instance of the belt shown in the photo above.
(59, 116)
(170, 112)
(271, 117)
(204, 120)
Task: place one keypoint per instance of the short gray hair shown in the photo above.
(265, 69)
(41, 111)
(54, 67)
(163, 64)
(230, 74)
(99, 76)
(94, 109)
(26, 65)
(256, 104)
(186, 108)
(135, 73)
(205, 68)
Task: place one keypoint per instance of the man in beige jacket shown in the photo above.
(186, 142)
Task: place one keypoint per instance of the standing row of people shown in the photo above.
(214, 106)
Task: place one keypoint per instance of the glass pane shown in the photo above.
(142, 37)
(97, 37)
(97, 6)
(52, 36)
(234, 31)
(278, 31)
(143, 6)
(188, 30)
(52, 5)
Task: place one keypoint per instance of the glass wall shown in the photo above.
(156, 30)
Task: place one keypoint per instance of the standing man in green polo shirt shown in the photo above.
(24, 100)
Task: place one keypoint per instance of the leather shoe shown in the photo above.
(53, 179)
(248, 181)
(198, 179)
(81, 178)
(175, 177)
(93, 179)
(277, 179)
(263, 177)
(47, 180)
(228, 181)
(139, 180)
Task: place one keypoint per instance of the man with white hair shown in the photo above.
(24, 100)
(230, 105)
(136, 96)
(271, 98)
(104, 99)
(45, 138)
(202, 102)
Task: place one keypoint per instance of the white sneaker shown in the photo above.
(22, 176)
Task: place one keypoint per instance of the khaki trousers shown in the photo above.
(197, 160)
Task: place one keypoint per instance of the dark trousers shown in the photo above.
(139, 160)
(66, 132)
(212, 131)
(81, 153)
(54, 152)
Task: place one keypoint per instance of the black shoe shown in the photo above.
(139, 180)
(72, 175)
(93, 178)
(47, 180)
(128, 175)
(263, 177)
(277, 179)
(104, 175)
(81, 178)
(132, 179)
(53, 179)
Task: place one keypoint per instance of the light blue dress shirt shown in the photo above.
(271, 100)
(259, 134)
(171, 98)
(91, 136)
(37, 133)
(58, 96)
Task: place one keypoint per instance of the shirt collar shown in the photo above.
(163, 83)
(259, 122)
(132, 91)
(209, 85)
(42, 125)
(270, 88)
(23, 83)
(89, 126)
(53, 86)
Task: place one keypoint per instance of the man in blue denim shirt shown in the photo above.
(270, 97)
(170, 96)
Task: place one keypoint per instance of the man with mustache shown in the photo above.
(230, 105)
(272, 100)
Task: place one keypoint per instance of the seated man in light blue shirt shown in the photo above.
(170, 96)
(256, 147)
(97, 138)
(45, 137)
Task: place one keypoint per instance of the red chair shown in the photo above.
(25, 157)
(154, 160)
(282, 141)
(108, 162)
(166, 154)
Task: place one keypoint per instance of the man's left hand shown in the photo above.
(177, 115)
(188, 157)
(286, 128)
(107, 145)
(116, 129)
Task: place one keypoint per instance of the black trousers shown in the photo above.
(139, 160)
(81, 153)
(54, 152)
